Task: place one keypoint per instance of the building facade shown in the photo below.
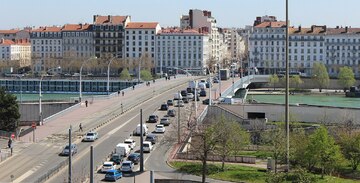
(15, 34)
(185, 49)
(109, 35)
(78, 41)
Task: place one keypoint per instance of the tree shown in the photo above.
(232, 138)
(274, 79)
(124, 75)
(350, 147)
(320, 75)
(276, 139)
(323, 151)
(9, 111)
(146, 75)
(346, 77)
(296, 80)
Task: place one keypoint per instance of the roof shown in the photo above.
(6, 42)
(75, 27)
(13, 31)
(277, 24)
(315, 30)
(142, 25)
(180, 31)
(47, 29)
(109, 19)
(343, 30)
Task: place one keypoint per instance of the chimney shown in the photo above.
(312, 28)
(324, 28)
(299, 30)
(346, 29)
(109, 18)
(337, 26)
(95, 16)
(2, 40)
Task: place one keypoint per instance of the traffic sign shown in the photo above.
(33, 125)
(12, 135)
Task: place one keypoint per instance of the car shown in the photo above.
(147, 146)
(190, 96)
(171, 113)
(206, 102)
(185, 100)
(170, 102)
(131, 143)
(134, 157)
(151, 138)
(153, 118)
(90, 137)
(202, 93)
(67, 152)
(215, 80)
(179, 103)
(113, 175)
(116, 158)
(164, 107)
(108, 165)
(183, 93)
(165, 121)
(127, 166)
(159, 129)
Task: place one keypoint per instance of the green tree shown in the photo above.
(276, 139)
(323, 151)
(146, 75)
(231, 138)
(298, 146)
(274, 79)
(9, 111)
(346, 77)
(296, 80)
(320, 75)
(350, 147)
(124, 75)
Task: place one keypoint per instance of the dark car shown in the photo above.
(190, 90)
(151, 138)
(134, 157)
(171, 113)
(170, 102)
(164, 107)
(206, 102)
(185, 100)
(202, 93)
(153, 118)
(183, 93)
(116, 158)
(113, 175)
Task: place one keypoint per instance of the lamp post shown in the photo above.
(40, 104)
(82, 65)
(20, 76)
(210, 86)
(108, 73)
(287, 89)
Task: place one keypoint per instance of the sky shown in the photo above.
(229, 13)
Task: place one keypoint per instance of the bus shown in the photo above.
(224, 74)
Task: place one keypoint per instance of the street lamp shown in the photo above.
(108, 73)
(82, 65)
(40, 104)
(20, 76)
(210, 86)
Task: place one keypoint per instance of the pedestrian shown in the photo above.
(123, 93)
(80, 127)
(133, 87)
(9, 143)
(86, 103)
(153, 80)
(118, 92)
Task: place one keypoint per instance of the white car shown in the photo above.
(131, 143)
(190, 96)
(108, 165)
(179, 103)
(91, 137)
(159, 129)
(147, 146)
(127, 166)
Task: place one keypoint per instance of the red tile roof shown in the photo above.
(13, 31)
(109, 19)
(278, 24)
(6, 42)
(142, 25)
(75, 27)
(343, 30)
(47, 29)
(180, 31)
(314, 30)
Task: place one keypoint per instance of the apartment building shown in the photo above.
(18, 52)
(15, 34)
(46, 47)
(235, 43)
(187, 49)
(78, 41)
(109, 35)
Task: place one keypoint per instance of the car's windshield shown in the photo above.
(126, 164)
(110, 173)
(107, 165)
(90, 134)
(146, 145)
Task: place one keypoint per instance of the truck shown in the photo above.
(224, 74)
(122, 149)
(192, 84)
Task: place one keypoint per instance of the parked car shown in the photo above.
(147, 146)
(206, 102)
(134, 157)
(153, 118)
(216, 80)
(113, 175)
(159, 129)
(108, 165)
(66, 151)
(165, 121)
(202, 93)
(131, 143)
(127, 166)
(171, 113)
(90, 137)
(170, 102)
(179, 103)
(151, 138)
(164, 107)
(116, 158)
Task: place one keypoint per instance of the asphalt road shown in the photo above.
(117, 132)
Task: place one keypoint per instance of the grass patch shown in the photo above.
(257, 154)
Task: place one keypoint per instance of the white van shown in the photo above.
(147, 146)
(122, 149)
(137, 130)
(177, 96)
(202, 86)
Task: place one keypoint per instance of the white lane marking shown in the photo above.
(24, 176)
(118, 128)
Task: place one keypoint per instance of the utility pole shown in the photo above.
(70, 154)
(178, 121)
(141, 144)
(91, 164)
(287, 90)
